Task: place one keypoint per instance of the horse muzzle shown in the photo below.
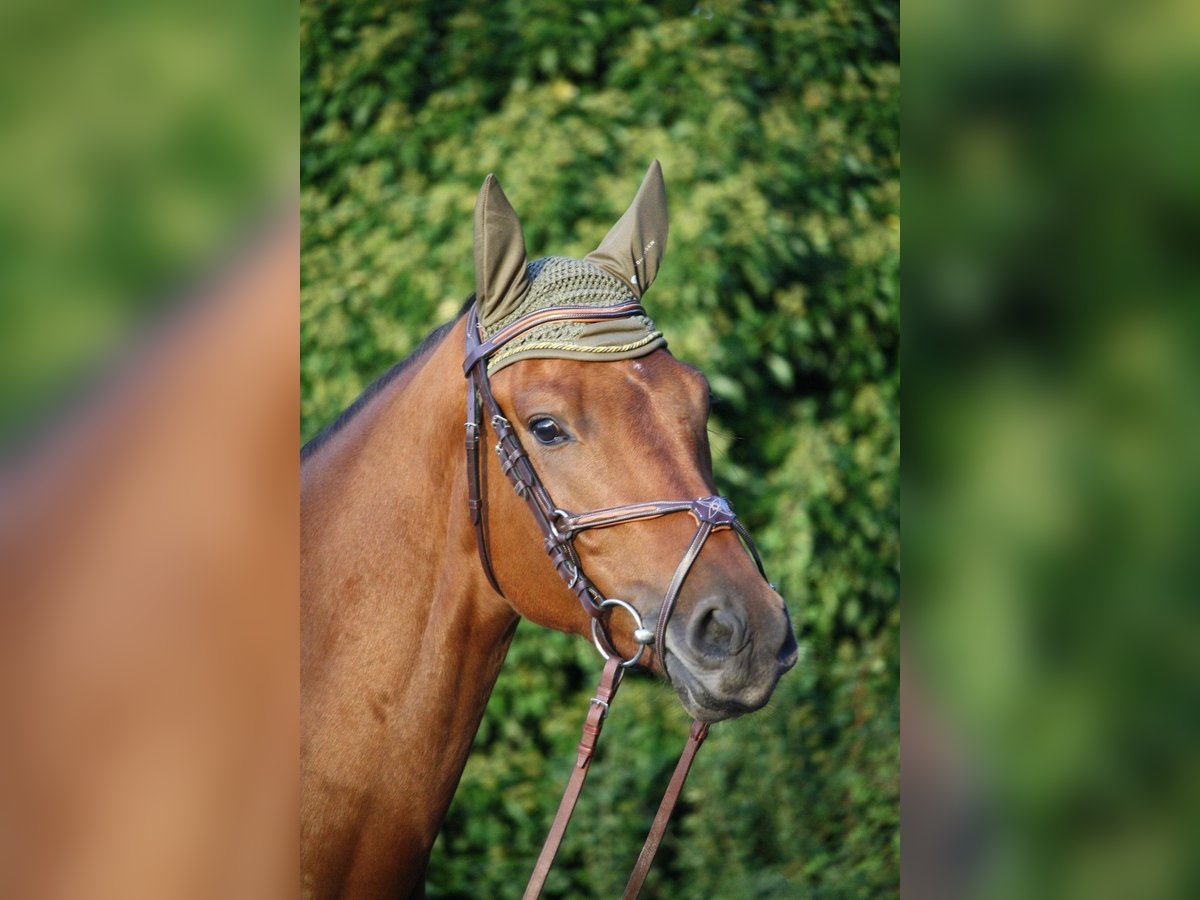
(723, 661)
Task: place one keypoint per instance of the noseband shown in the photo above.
(559, 529)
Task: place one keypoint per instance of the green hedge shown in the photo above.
(777, 128)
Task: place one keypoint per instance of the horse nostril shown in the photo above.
(789, 651)
(716, 630)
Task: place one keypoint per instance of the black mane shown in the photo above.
(430, 341)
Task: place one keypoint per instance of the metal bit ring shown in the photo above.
(637, 625)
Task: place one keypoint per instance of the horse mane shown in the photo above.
(430, 341)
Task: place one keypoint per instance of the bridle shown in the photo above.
(559, 529)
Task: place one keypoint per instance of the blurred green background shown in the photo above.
(1051, 485)
(1052, 498)
(777, 128)
(141, 144)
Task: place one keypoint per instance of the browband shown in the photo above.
(532, 320)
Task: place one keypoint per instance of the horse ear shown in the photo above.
(500, 280)
(633, 249)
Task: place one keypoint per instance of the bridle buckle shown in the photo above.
(559, 536)
(603, 704)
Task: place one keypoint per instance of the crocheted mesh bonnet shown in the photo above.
(562, 281)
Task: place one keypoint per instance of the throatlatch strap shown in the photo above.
(610, 680)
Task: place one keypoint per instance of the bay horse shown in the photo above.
(417, 560)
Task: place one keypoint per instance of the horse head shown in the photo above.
(608, 418)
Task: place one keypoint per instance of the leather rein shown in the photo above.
(559, 528)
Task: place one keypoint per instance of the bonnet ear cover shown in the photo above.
(634, 247)
(616, 274)
(500, 279)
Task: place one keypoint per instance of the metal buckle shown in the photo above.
(637, 627)
(556, 515)
(596, 701)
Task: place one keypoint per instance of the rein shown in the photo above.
(559, 528)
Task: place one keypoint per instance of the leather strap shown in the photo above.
(619, 515)
(673, 589)
(634, 886)
(475, 492)
(610, 680)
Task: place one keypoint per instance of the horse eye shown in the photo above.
(546, 430)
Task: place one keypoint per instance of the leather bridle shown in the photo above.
(559, 529)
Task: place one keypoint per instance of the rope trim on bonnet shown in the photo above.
(506, 352)
(556, 281)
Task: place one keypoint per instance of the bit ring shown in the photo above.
(637, 626)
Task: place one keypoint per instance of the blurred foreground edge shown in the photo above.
(148, 616)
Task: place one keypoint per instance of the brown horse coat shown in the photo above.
(402, 636)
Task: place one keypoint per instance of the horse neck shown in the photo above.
(402, 640)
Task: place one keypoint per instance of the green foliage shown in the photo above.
(777, 128)
(141, 141)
